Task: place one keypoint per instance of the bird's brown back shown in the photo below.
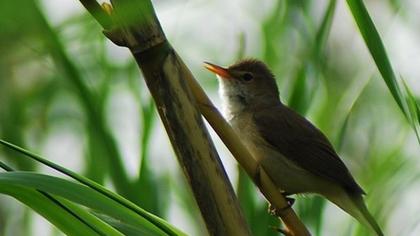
(301, 142)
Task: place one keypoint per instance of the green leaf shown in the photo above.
(54, 213)
(311, 212)
(303, 89)
(346, 105)
(89, 218)
(377, 50)
(376, 47)
(159, 223)
(88, 101)
(272, 30)
(77, 193)
(80, 194)
(77, 212)
(147, 179)
(414, 109)
(126, 229)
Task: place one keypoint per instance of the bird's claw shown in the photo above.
(290, 201)
(278, 211)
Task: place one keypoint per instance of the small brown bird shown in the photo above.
(293, 152)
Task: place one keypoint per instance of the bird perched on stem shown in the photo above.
(294, 153)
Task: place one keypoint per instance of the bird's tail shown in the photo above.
(355, 206)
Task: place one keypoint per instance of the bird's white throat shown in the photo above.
(231, 105)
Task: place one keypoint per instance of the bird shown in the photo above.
(296, 155)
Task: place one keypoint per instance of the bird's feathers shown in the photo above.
(306, 146)
(302, 143)
(295, 154)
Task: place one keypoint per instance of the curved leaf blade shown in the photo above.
(55, 214)
(158, 222)
(80, 194)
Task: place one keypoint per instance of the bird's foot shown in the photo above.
(276, 211)
(290, 201)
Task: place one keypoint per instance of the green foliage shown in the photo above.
(62, 77)
(88, 193)
(308, 74)
(51, 210)
(373, 41)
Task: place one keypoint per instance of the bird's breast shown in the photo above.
(244, 126)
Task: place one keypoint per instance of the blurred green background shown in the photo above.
(72, 96)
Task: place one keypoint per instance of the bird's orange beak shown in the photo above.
(218, 70)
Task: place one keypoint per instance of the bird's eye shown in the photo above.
(247, 77)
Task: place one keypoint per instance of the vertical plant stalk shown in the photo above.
(140, 31)
(191, 142)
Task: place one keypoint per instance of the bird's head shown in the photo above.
(247, 84)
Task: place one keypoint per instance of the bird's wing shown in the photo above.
(301, 142)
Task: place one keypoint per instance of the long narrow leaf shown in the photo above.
(62, 219)
(88, 102)
(89, 218)
(78, 213)
(377, 50)
(161, 224)
(414, 109)
(80, 194)
(301, 95)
